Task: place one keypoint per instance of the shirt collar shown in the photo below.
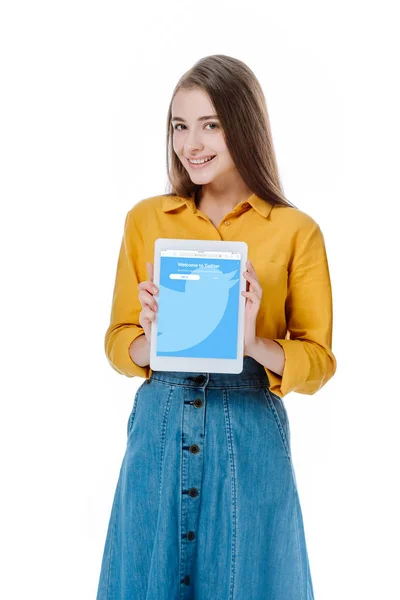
(263, 207)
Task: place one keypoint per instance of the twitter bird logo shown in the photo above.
(186, 318)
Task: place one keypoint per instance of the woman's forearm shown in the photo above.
(268, 353)
(139, 351)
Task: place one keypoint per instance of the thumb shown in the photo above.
(150, 270)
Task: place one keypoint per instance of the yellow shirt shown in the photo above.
(286, 247)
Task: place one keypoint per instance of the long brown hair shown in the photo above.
(239, 102)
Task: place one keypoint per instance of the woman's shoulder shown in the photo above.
(292, 218)
(143, 208)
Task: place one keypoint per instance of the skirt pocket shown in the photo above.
(131, 417)
(278, 410)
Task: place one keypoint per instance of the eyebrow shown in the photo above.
(199, 119)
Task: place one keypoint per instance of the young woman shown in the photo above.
(206, 506)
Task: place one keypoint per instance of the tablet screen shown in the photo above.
(198, 301)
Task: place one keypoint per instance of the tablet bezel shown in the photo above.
(195, 364)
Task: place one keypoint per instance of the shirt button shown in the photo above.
(191, 535)
(198, 403)
(227, 222)
(194, 448)
(193, 492)
(186, 580)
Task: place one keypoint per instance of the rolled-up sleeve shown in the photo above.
(124, 325)
(309, 360)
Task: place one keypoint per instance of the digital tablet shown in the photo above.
(199, 324)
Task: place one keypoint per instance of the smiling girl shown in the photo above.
(207, 505)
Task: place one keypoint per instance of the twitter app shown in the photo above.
(198, 304)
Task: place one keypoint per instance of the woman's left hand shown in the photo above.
(253, 296)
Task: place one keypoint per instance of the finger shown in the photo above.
(147, 299)
(148, 286)
(253, 290)
(251, 269)
(151, 313)
(148, 313)
(252, 295)
(251, 279)
(150, 270)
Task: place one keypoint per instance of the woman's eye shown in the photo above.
(181, 125)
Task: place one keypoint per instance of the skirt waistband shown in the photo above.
(253, 375)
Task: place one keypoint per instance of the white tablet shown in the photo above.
(199, 324)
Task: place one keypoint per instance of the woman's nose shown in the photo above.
(193, 141)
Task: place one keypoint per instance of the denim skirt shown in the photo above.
(206, 505)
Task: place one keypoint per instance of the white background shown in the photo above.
(85, 88)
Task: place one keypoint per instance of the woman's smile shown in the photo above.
(200, 165)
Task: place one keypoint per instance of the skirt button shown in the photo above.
(186, 580)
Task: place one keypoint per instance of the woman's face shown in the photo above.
(195, 137)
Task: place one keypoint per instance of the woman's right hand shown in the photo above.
(149, 305)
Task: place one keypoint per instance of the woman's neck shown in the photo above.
(224, 202)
